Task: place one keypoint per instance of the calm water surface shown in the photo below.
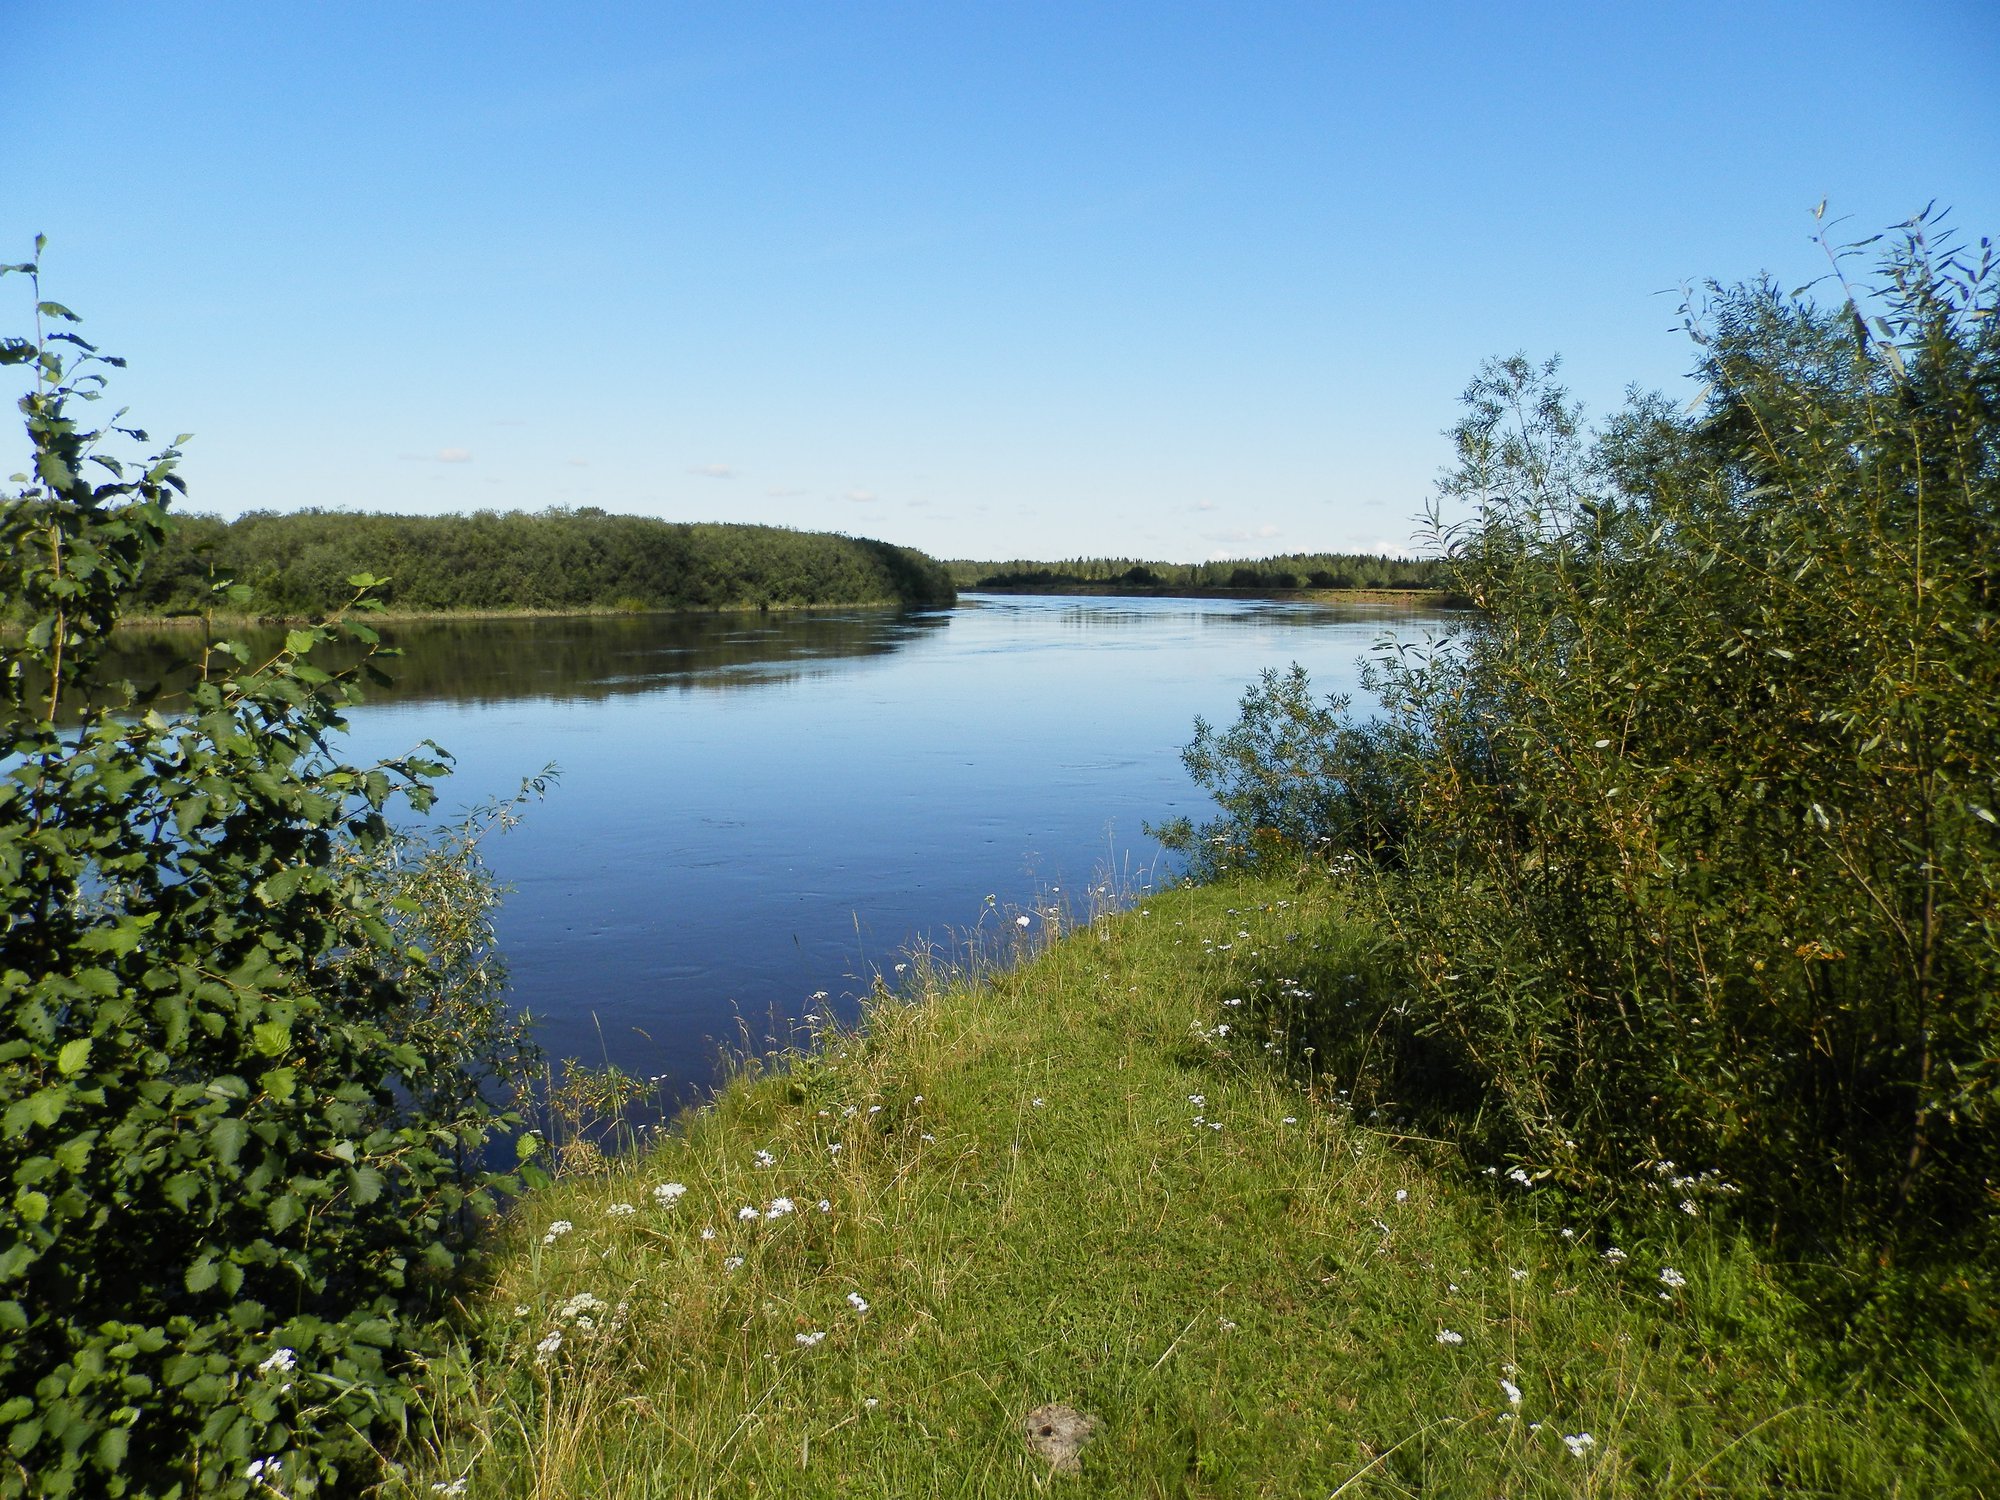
(753, 809)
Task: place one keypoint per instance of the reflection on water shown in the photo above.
(752, 809)
(568, 658)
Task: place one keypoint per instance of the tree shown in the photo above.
(235, 1179)
(1695, 855)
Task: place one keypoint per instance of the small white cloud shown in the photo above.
(713, 471)
(1268, 531)
(863, 497)
(1204, 505)
(454, 456)
(579, 463)
(783, 494)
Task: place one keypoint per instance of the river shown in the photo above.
(752, 811)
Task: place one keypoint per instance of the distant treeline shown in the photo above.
(1294, 570)
(299, 563)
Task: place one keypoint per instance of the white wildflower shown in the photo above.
(825, 1205)
(1448, 1336)
(807, 1340)
(1512, 1392)
(779, 1208)
(557, 1230)
(1197, 1100)
(280, 1360)
(1579, 1445)
(668, 1193)
(1289, 1120)
(520, 1309)
(620, 1210)
(765, 1159)
(732, 1263)
(1614, 1255)
(1021, 921)
(577, 1307)
(546, 1349)
(449, 1487)
(708, 1232)
(1688, 1208)
(1402, 1195)
(1671, 1277)
(746, 1213)
(1517, 1274)
(858, 1302)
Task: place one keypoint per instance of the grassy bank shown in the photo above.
(1083, 1182)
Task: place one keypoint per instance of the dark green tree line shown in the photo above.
(298, 563)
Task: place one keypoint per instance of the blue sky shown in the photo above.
(1028, 279)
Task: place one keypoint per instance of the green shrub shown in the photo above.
(1693, 863)
(238, 1109)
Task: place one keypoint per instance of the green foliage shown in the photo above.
(235, 1130)
(1694, 844)
(1319, 570)
(298, 564)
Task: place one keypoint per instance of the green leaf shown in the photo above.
(202, 1274)
(74, 1057)
(227, 1137)
(32, 1205)
(272, 1038)
(111, 1448)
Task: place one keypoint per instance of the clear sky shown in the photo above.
(1005, 279)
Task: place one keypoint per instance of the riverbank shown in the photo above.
(234, 620)
(1417, 598)
(1082, 1183)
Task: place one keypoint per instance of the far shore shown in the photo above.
(1434, 598)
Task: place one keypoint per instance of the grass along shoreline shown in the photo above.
(1083, 1181)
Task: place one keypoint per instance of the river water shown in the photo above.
(752, 810)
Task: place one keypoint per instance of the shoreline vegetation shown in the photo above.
(297, 565)
(1424, 598)
(1082, 1180)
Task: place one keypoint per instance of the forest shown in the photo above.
(298, 564)
(1293, 570)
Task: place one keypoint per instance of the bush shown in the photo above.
(238, 1108)
(1692, 857)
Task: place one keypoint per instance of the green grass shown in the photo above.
(1018, 1184)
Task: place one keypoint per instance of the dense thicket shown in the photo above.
(240, 1060)
(1311, 570)
(1689, 845)
(298, 563)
